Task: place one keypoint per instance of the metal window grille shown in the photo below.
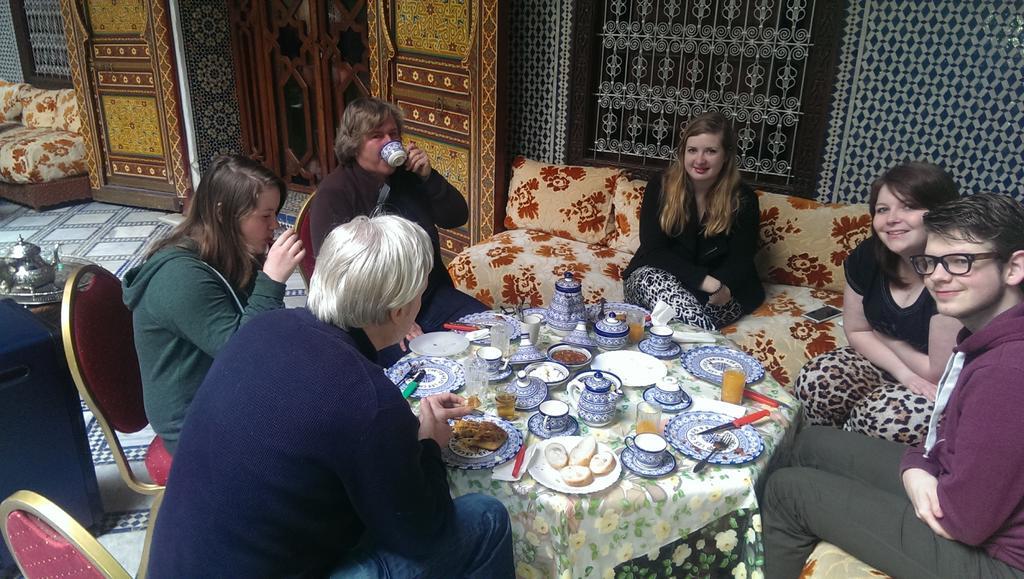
(46, 35)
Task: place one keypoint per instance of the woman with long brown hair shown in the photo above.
(698, 232)
(215, 271)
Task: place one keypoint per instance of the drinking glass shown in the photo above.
(636, 327)
(500, 338)
(648, 418)
(506, 404)
(476, 379)
(734, 380)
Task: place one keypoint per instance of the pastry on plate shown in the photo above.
(479, 434)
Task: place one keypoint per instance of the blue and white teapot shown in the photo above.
(566, 304)
(597, 396)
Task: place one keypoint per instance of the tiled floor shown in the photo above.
(114, 237)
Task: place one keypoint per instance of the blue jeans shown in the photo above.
(478, 544)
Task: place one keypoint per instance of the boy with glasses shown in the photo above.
(953, 507)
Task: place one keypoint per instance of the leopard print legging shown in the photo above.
(843, 389)
(645, 286)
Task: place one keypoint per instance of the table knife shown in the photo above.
(738, 422)
(459, 327)
(758, 397)
(413, 384)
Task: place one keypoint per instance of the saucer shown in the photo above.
(668, 353)
(536, 425)
(500, 374)
(629, 460)
(683, 405)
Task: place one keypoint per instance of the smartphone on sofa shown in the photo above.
(823, 314)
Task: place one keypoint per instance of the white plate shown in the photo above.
(441, 344)
(550, 477)
(634, 368)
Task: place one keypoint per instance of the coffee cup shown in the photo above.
(556, 415)
(667, 391)
(394, 153)
(492, 356)
(661, 337)
(649, 448)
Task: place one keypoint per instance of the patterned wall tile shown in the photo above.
(936, 80)
(10, 64)
(211, 79)
(539, 46)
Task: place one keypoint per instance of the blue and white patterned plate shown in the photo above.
(542, 312)
(440, 375)
(456, 455)
(628, 458)
(488, 319)
(536, 426)
(668, 353)
(709, 362)
(649, 396)
(744, 443)
(500, 374)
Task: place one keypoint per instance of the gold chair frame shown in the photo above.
(71, 290)
(299, 220)
(74, 532)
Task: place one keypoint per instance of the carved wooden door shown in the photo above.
(438, 61)
(298, 62)
(123, 69)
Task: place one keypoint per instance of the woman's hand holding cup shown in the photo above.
(284, 255)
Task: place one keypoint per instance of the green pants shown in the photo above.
(845, 488)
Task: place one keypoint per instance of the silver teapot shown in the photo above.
(24, 268)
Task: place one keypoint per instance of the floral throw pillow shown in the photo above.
(10, 105)
(40, 108)
(569, 201)
(67, 117)
(626, 202)
(805, 243)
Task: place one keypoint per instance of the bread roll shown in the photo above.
(556, 455)
(577, 476)
(583, 452)
(602, 463)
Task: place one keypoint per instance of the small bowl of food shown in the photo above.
(552, 373)
(572, 357)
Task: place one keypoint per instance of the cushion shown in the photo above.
(805, 242)
(830, 562)
(67, 117)
(10, 104)
(30, 155)
(43, 552)
(40, 107)
(158, 461)
(780, 338)
(523, 265)
(627, 199)
(573, 202)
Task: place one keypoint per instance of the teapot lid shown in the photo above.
(23, 249)
(597, 382)
(568, 283)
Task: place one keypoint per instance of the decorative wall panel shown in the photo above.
(123, 69)
(934, 80)
(211, 79)
(46, 35)
(438, 61)
(10, 64)
(538, 88)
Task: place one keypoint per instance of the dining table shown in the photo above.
(681, 524)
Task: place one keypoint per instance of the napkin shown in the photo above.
(504, 470)
(693, 337)
(712, 405)
(662, 314)
(478, 334)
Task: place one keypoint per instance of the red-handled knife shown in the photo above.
(758, 397)
(518, 464)
(459, 327)
(738, 422)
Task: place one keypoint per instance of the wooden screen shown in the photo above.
(439, 62)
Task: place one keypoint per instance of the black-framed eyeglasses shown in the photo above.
(954, 263)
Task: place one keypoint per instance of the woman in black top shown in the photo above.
(883, 384)
(698, 233)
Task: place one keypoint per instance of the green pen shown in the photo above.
(413, 384)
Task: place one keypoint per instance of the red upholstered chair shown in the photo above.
(100, 350)
(47, 542)
(308, 262)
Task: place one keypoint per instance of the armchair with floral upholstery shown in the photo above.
(42, 152)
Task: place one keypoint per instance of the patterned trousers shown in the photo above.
(645, 286)
(843, 389)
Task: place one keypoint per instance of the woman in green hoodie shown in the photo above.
(215, 271)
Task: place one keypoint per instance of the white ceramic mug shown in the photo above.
(531, 322)
(492, 356)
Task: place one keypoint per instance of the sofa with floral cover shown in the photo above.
(42, 153)
(586, 220)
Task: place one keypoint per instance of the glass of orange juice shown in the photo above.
(648, 418)
(734, 380)
(636, 327)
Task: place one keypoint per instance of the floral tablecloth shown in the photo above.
(681, 525)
